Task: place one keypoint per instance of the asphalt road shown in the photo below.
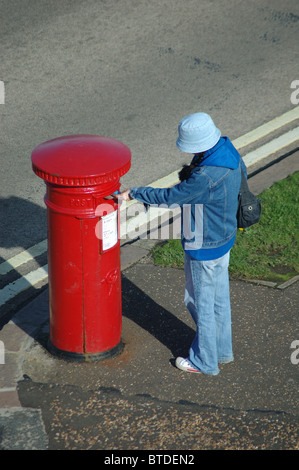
(131, 70)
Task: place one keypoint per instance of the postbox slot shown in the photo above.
(111, 196)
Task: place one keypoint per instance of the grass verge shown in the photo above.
(267, 250)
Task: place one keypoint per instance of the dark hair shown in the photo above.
(186, 171)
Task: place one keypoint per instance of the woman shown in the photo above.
(208, 195)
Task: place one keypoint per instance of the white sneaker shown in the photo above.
(185, 365)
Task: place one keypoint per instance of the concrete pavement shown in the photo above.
(139, 400)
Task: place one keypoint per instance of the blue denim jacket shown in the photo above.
(208, 200)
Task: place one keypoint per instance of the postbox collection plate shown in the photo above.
(109, 232)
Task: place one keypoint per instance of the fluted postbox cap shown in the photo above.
(81, 160)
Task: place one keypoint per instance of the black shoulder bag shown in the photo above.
(249, 206)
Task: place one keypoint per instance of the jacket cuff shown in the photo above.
(133, 192)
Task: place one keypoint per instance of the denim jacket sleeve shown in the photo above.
(195, 189)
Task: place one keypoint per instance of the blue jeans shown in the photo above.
(207, 298)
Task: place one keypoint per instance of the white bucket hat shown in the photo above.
(197, 133)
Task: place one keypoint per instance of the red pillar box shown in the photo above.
(80, 172)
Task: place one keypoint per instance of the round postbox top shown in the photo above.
(81, 160)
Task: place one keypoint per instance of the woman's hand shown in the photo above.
(124, 195)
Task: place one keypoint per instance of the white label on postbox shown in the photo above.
(109, 230)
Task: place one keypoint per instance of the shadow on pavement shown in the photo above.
(22, 224)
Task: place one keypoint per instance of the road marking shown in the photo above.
(22, 284)
(23, 257)
(40, 274)
(271, 147)
(267, 128)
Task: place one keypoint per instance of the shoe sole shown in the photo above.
(187, 369)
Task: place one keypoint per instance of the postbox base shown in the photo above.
(85, 357)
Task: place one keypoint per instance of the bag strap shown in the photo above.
(244, 185)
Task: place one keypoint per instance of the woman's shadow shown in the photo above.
(152, 317)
